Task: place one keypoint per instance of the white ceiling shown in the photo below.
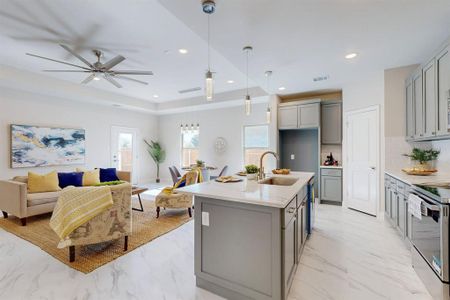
(296, 39)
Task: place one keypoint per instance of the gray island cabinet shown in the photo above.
(249, 235)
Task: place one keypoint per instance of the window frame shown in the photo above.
(182, 148)
(244, 148)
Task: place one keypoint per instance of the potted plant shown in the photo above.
(158, 155)
(425, 159)
(252, 172)
(200, 163)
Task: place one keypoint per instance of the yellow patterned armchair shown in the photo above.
(173, 199)
(110, 225)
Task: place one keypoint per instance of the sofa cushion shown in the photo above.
(38, 183)
(109, 174)
(90, 177)
(42, 198)
(71, 178)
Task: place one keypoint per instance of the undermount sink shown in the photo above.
(285, 181)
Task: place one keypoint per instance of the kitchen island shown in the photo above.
(249, 235)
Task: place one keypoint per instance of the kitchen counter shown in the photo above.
(250, 191)
(414, 179)
(249, 236)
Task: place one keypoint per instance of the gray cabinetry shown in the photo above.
(309, 115)
(418, 104)
(299, 116)
(387, 196)
(443, 90)
(331, 123)
(287, 117)
(410, 117)
(289, 251)
(331, 185)
(429, 99)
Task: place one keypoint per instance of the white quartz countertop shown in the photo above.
(250, 191)
(414, 179)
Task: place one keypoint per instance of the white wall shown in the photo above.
(366, 92)
(224, 122)
(19, 107)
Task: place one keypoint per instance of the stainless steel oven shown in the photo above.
(430, 240)
(430, 235)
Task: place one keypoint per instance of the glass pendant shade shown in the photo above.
(209, 86)
(248, 105)
(268, 115)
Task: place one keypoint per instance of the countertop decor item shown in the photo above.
(330, 160)
(241, 173)
(158, 155)
(418, 172)
(225, 179)
(425, 159)
(281, 171)
(252, 172)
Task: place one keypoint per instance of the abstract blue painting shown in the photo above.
(36, 146)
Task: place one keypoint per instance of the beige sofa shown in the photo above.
(15, 199)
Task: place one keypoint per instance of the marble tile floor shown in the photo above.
(349, 256)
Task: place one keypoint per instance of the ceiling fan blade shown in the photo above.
(130, 79)
(113, 62)
(88, 79)
(58, 61)
(74, 71)
(133, 72)
(77, 56)
(111, 80)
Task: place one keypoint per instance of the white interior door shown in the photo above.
(124, 155)
(363, 140)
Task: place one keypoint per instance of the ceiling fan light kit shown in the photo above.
(97, 68)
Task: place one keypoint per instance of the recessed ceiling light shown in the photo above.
(281, 88)
(230, 81)
(155, 96)
(351, 55)
(183, 51)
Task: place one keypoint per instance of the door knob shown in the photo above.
(373, 168)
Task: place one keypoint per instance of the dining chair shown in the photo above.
(173, 174)
(176, 171)
(222, 173)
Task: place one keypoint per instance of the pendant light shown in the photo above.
(268, 112)
(248, 100)
(209, 7)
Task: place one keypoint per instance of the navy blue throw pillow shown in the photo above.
(109, 174)
(72, 178)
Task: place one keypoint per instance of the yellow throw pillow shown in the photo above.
(90, 177)
(38, 183)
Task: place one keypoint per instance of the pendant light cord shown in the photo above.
(209, 51)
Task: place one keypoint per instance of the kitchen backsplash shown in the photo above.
(335, 149)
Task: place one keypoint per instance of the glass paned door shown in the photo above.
(124, 150)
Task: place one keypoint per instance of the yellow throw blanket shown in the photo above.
(78, 205)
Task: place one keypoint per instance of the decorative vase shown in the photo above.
(426, 166)
(252, 176)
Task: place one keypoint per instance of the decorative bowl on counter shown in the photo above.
(281, 171)
(419, 171)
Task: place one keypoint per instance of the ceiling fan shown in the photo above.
(98, 69)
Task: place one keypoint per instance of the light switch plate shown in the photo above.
(205, 218)
(292, 156)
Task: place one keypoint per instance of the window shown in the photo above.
(189, 147)
(256, 142)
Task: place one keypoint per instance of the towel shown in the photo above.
(414, 206)
(78, 205)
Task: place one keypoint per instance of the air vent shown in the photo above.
(189, 90)
(321, 78)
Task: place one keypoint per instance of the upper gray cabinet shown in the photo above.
(443, 91)
(299, 116)
(331, 119)
(410, 117)
(428, 100)
(287, 117)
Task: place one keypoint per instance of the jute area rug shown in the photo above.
(145, 229)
